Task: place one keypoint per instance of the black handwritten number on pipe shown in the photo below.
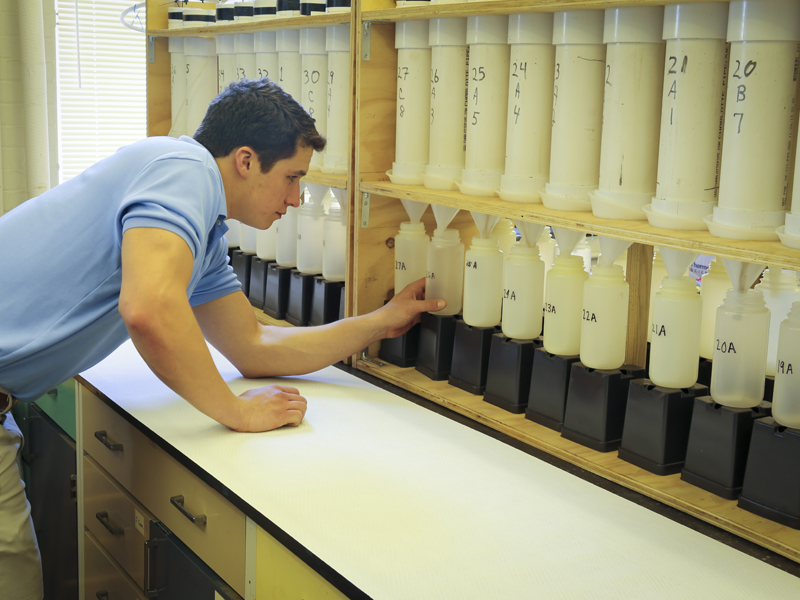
(672, 70)
(330, 79)
(558, 70)
(522, 67)
(739, 127)
(280, 74)
(608, 74)
(402, 111)
(434, 75)
(431, 116)
(475, 117)
(476, 72)
(516, 114)
(402, 73)
(262, 73)
(749, 67)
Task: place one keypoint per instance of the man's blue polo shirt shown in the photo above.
(60, 256)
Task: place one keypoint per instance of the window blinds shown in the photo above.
(101, 82)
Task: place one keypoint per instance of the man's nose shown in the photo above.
(293, 199)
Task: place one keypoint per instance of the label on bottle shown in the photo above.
(589, 316)
(550, 308)
(430, 275)
(784, 368)
(472, 264)
(399, 265)
(658, 330)
(726, 347)
(509, 295)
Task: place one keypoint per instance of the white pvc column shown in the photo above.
(693, 98)
(530, 106)
(244, 43)
(314, 83)
(288, 8)
(177, 61)
(577, 116)
(631, 112)
(264, 10)
(759, 119)
(226, 60)
(307, 9)
(337, 43)
(266, 47)
(412, 114)
(288, 43)
(338, 6)
(448, 118)
(487, 105)
(201, 79)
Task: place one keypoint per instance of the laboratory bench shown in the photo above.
(377, 494)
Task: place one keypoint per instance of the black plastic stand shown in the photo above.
(240, 262)
(301, 297)
(509, 381)
(341, 303)
(471, 357)
(719, 440)
(276, 297)
(258, 282)
(547, 399)
(596, 403)
(772, 477)
(325, 302)
(657, 421)
(401, 351)
(704, 372)
(435, 352)
(769, 386)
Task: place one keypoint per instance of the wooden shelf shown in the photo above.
(667, 489)
(270, 24)
(320, 178)
(773, 253)
(265, 319)
(383, 10)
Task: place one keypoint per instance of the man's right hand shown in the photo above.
(270, 407)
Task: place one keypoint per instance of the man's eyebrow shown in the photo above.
(299, 173)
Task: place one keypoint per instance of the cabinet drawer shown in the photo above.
(167, 489)
(119, 523)
(103, 579)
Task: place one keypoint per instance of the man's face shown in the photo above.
(270, 194)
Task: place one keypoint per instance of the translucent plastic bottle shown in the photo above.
(563, 305)
(247, 238)
(604, 321)
(523, 293)
(656, 277)
(780, 291)
(410, 254)
(309, 238)
(483, 283)
(675, 329)
(740, 350)
(286, 235)
(334, 245)
(445, 275)
(547, 248)
(713, 286)
(786, 395)
(266, 243)
(505, 235)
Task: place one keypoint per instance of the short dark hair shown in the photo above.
(259, 114)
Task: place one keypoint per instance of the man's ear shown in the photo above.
(245, 161)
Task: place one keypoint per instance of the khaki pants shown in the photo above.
(20, 565)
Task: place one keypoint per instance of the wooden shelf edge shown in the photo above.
(268, 25)
(669, 490)
(702, 242)
(334, 181)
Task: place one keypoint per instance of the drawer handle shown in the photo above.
(177, 502)
(103, 437)
(103, 518)
(102, 595)
(149, 592)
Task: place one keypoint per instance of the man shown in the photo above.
(133, 247)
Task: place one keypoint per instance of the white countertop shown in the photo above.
(407, 504)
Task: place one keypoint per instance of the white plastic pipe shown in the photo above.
(314, 83)
(264, 10)
(530, 107)
(244, 45)
(308, 9)
(34, 88)
(487, 105)
(288, 8)
(266, 48)
(226, 60)
(759, 119)
(448, 118)
(289, 64)
(413, 102)
(691, 115)
(631, 112)
(339, 6)
(577, 116)
(201, 79)
(337, 43)
(177, 65)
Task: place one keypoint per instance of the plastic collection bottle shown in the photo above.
(786, 394)
(334, 244)
(780, 291)
(267, 243)
(604, 322)
(286, 234)
(445, 275)
(740, 350)
(675, 330)
(656, 277)
(248, 238)
(309, 238)
(410, 254)
(563, 305)
(483, 283)
(713, 287)
(523, 293)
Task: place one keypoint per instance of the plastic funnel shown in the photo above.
(611, 249)
(444, 215)
(530, 232)
(567, 239)
(742, 274)
(677, 261)
(485, 223)
(414, 209)
(317, 192)
(340, 196)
